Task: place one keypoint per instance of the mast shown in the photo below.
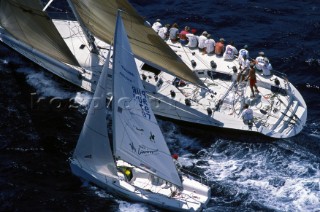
(87, 33)
(113, 81)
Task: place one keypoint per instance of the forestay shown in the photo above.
(93, 149)
(137, 138)
(99, 16)
(26, 21)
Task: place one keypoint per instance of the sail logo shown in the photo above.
(152, 137)
(133, 148)
(143, 150)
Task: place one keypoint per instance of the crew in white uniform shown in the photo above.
(209, 45)
(202, 39)
(156, 25)
(163, 31)
(244, 65)
(260, 61)
(230, 52)
(247, 114)
(243, 51)
(193, 40)
(267, 67)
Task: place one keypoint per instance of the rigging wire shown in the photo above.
(287, 107)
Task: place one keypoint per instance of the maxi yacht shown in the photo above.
(182, 84)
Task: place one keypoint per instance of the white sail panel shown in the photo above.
(93, 150)
(137, 137)
(99, 16)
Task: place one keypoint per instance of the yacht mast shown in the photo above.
(87, 33)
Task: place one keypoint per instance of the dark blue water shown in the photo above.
(246, 173)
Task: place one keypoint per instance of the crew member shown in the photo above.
(156, 25)
(247, 114)
(183, 35)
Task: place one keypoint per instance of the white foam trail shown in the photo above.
(4, 61)
(270, 176)
(83, 98)
(98, 191)
(311, 61)
(129, 207)
(44, 85)
(177, 142)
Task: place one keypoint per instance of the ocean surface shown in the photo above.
(41, 118)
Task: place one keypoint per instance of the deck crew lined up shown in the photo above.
(207, 45)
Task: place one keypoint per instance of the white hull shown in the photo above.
(285, 117)
(286, 114)
(133, 190)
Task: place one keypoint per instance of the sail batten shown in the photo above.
(99, 16)
(26, 21)
(137, 138)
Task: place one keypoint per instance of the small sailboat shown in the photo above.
(137, 164)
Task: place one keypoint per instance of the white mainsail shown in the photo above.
(137, 138)
(93, 150)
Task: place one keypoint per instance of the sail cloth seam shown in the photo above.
(95, 130)
(28, 9)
